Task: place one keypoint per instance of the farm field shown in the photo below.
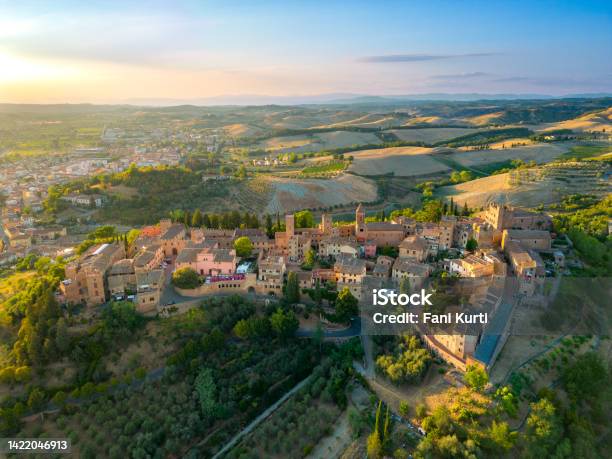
(402, 161)
(477, 193)
(531, 187)
(505, 144)
(430, 135)
(368, 120)
(317, 142)
(590, 122)
(298, 118)
(291, 194)
(538, 152)
(241, 130)
(487, 118)
(433, 120)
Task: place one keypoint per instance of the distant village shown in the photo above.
(503, 242)
(25, 184)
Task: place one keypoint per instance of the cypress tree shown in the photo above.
(386, 428)
(377, 422)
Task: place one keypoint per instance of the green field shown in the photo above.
(325, 168)
(587, 151)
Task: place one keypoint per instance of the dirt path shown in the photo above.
(271, 409)
(335, 444)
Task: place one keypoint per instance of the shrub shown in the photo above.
(185, 278)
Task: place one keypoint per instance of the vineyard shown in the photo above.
(531, 187)
(254, 195)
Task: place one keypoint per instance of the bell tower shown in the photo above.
(360, 225)
(290, 225)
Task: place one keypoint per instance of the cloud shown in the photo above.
(151, 40)
(461, 76)
(392, 58)
(552, 81)
(514, 79)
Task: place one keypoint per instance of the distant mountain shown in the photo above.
(348, 98)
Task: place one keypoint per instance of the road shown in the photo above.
(271, 409)
(353, 330)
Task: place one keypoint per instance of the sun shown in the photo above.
(20, 69)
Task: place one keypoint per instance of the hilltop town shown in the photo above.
(500, 242)
(218, 264)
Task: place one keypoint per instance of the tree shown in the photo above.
(377, 428)
(284, 323)
(421, 411)
(501, 436)
(253, 327)
(309, 259)
(196, 219)
(62, 338)
(387, 426)
(585, 378)
(241, 173)
(507, 401)
(243, 247)
(405, 286)
(304, 219)
(471, 245)
(408, 364)
(59, 398)
(544, 430)
(374, 446)
(404, 409)
(242, 329)
(269, 229)
(36, 399)
(374, 439)
(292, 289)
(206, 389)
(476, 377)
(185, 278)
(346, 306)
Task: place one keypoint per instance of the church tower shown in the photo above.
(360, 225)
(289, 225)
(326, 224)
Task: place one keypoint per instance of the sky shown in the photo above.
(109, 52)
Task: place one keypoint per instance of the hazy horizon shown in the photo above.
(69, 52)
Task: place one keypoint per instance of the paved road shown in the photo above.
(271, 409)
